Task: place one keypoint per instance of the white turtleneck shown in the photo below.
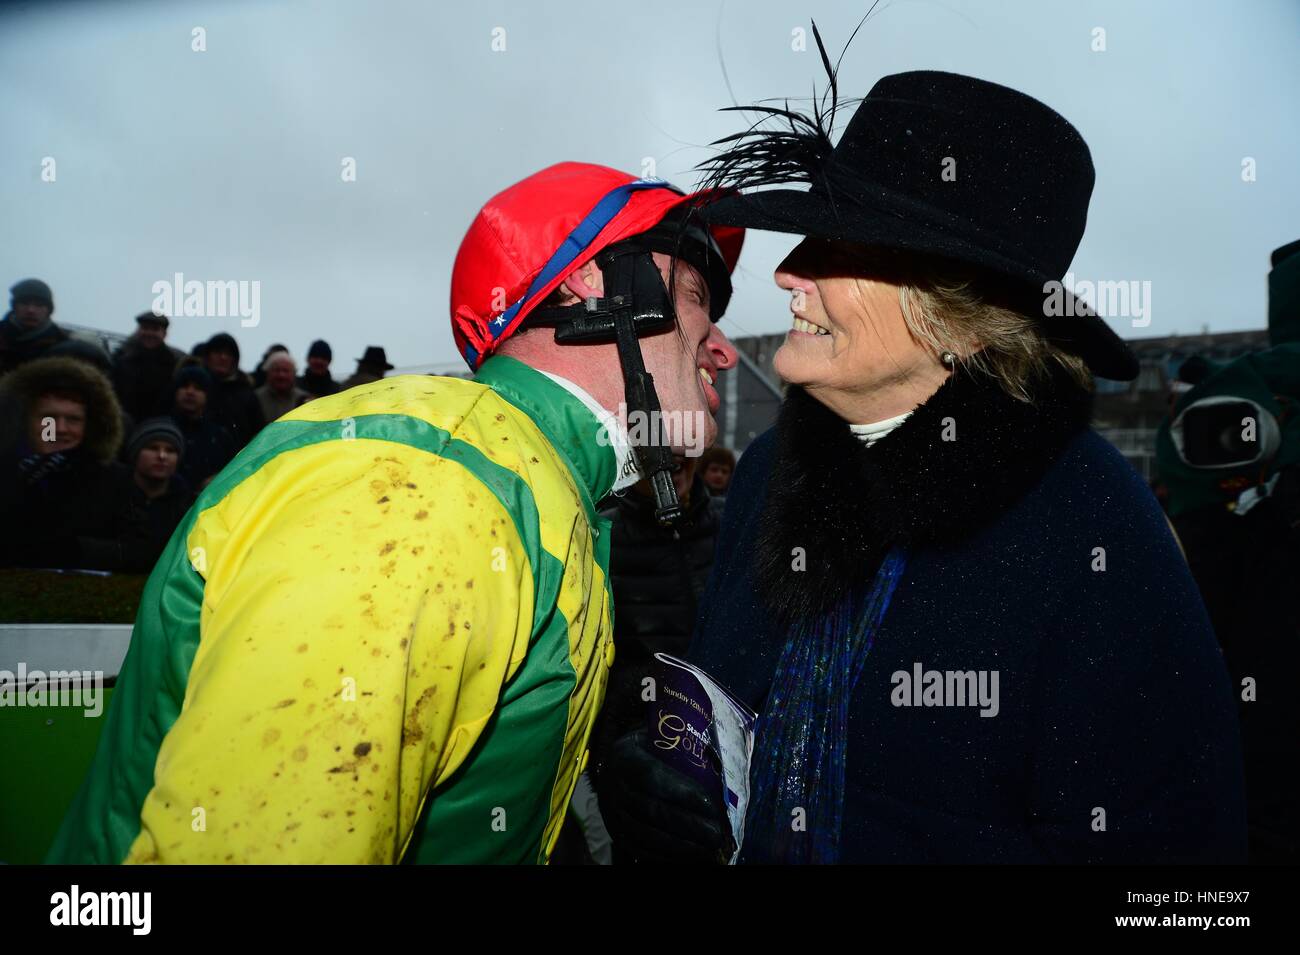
(869, 434)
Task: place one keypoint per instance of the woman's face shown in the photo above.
(849, 346)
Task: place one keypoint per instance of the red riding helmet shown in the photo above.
(527, 239)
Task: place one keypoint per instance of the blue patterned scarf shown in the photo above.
(797, 799)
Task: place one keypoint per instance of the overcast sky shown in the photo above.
(225, 164)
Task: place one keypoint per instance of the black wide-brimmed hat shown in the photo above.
(940, 165)
(376, 356)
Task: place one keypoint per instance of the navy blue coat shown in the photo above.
(1112, 691)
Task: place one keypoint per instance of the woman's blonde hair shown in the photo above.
(948, 313)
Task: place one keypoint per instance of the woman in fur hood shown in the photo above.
(64, 498)
(958, 611)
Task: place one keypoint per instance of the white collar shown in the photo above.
(628, 467)
(869, 434)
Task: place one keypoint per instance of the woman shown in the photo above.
(65, 501)
(962, 619)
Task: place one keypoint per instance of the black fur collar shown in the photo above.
(845, 504)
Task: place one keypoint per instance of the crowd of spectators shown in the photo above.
(101, 456)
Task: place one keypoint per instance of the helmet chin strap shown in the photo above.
(656, 459)
(635, 303)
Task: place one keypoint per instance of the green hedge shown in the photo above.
(48, 596)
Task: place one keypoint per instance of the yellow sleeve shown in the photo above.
(358, 624)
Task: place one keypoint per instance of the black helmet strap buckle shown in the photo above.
(636, 302)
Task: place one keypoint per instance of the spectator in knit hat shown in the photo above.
(27, 331)
(232, 402)
(154, 452)
(317, 378)
(209, 446)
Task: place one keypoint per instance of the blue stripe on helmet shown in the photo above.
(570, 249)
(576, 243)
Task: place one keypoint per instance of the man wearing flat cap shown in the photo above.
(144, 366)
